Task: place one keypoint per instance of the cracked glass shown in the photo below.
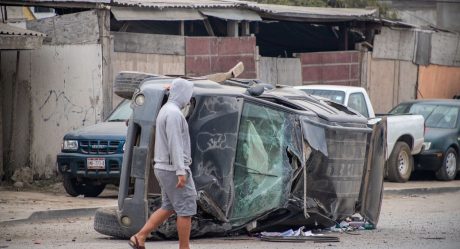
(262, 171)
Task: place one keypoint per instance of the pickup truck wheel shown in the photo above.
(72, 186)
(106, 222)
(400, 163)
(92, 190)
(449, 166)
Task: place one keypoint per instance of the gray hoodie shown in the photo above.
(172, 138)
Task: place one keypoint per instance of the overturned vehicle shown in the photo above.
(263, 159)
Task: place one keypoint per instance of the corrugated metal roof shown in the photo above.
(283, 12)
(182, 14)
(6, 29)
(232, 14)
(179, 3)
(311, 13)
(63, 1)
(268, 11)
(175, 14)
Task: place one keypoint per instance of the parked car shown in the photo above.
(91, 156)
(262, 159)
(404, 132)
(442, 135)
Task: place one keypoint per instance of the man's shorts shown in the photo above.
(181, 200)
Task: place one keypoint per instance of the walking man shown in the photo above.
(172, 160)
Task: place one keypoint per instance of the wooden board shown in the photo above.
(388, 82)
(149, 63)
(284, 71)
(438, 82)
(149, 43)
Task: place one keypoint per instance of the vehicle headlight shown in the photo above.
(124, 147)
(139, 99)
(426, 145)
(70, 145)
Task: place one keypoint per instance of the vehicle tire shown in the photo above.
(106, 222)
(72, 186)
(400, 163)
(449, 166)
(127, 83)
(93, 190)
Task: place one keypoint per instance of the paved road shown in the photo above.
(417, 221)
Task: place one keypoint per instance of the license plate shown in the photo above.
(96, 163)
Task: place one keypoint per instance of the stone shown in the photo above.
(18, 185)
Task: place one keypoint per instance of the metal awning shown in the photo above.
(161, 4)
(232, 14)
(312, 14)
(15, 38)
(150, 14)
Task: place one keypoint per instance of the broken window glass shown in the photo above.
(262, 171)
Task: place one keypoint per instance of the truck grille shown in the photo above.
(99, 147)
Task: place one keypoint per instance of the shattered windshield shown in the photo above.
(262, 172)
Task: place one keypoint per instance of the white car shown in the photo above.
(405, 134)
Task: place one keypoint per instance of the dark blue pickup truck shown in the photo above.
(91, 157)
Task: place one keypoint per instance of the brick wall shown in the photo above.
(207, 55)
(332, 68)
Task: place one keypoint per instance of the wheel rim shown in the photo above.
(451, 164)
(403, 162)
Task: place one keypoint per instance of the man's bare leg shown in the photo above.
(155, 220)
(184, 225)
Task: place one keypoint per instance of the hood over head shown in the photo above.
(180, 92)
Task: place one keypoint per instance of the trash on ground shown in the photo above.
(298, 235)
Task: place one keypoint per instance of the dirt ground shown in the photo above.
(47, 197)
(411, 221)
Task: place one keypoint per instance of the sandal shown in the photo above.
(135, 244)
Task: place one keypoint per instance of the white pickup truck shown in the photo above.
(405, 133)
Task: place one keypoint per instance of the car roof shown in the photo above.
(454, 102)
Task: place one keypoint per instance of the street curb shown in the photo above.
(85, 212)
(54, 214)
(414, 191)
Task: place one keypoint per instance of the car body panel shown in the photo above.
(440, 139)
(398, 127)
(273, 160)
(105, 141)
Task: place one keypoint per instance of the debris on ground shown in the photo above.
(298, 235)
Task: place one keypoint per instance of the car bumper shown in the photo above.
(76, 164)
(429, 160)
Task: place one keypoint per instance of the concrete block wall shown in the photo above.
(332, 68)
(207, 55)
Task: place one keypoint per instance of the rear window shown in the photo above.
(334, 95)
(436, 116)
